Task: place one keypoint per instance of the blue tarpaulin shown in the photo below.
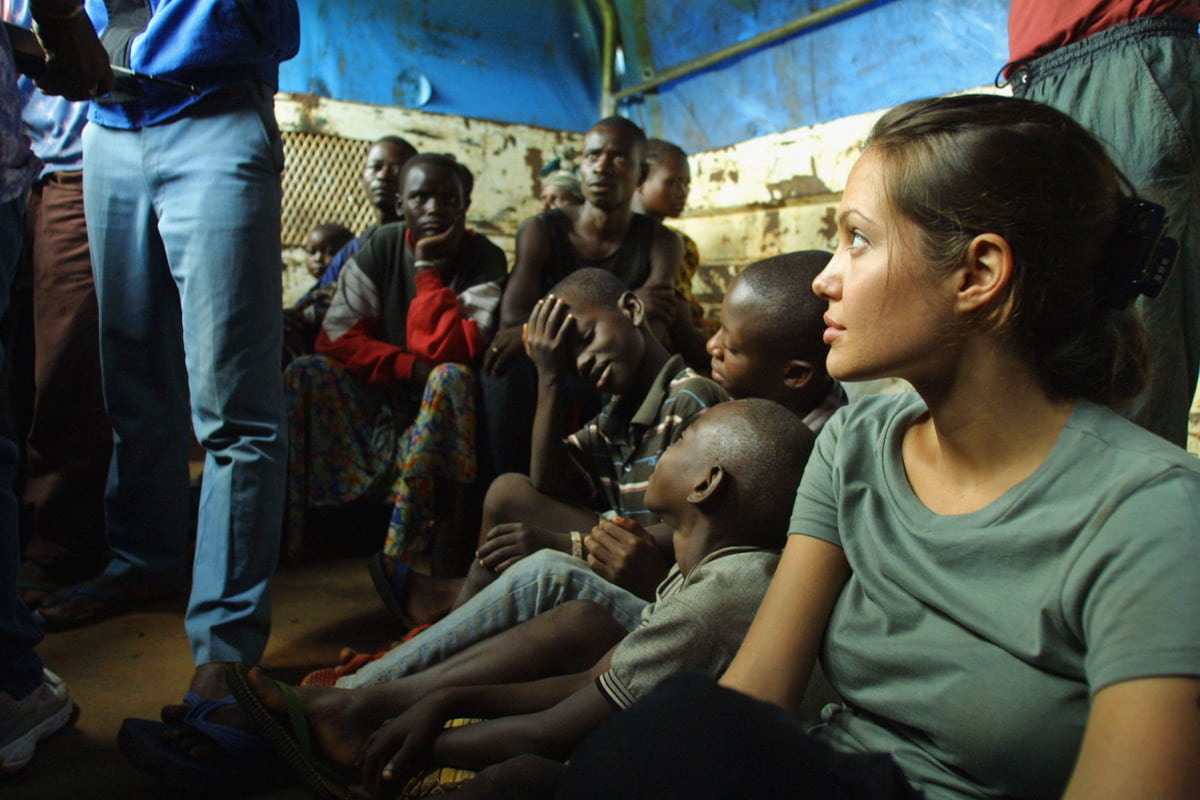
(538, 62)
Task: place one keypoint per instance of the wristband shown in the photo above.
(423, 264)
(576, 545)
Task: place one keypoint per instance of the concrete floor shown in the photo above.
(131, 665)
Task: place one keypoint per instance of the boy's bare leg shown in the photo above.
(510, 498)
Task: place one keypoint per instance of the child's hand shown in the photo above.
(400, 748)
(623, 552)
(548, 335)
(508, 543)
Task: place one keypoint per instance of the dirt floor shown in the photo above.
(131, 665)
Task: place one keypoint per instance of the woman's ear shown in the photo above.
(986, 275)
(632, 306)
(708, 487)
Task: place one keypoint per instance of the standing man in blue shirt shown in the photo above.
(183, 209)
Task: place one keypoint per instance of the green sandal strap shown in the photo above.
(296, 718)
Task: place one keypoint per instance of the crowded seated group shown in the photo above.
(616, 541)
(627, 551)
(962, 587)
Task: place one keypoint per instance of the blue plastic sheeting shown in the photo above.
(877, 57)
(537, 62)
(534, 62)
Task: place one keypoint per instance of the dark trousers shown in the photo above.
(693, 739)
(69, 440)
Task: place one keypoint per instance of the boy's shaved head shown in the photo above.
(590, 287)
(763, 449)
(792, 315)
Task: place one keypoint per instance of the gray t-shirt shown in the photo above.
(696, 623)
(969, 646)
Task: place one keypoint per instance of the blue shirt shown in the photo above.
(211, 44)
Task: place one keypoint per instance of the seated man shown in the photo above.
(389, 405)
(590, 324)
(604, 233)
(381, 182)
(725, 488)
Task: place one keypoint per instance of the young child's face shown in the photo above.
(432, 199)
(685, 462)
(321, 249)
(665, 191)
(608, 348)
(739, 362)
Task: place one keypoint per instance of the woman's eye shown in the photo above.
(858, 239)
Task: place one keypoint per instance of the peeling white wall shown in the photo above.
(770, 195)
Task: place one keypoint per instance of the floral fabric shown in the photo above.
(350, 441)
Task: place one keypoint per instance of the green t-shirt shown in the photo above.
(968, 646)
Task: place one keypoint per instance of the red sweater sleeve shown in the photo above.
(363, 351)
(436, 330)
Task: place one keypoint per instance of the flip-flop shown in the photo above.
(252, 767)
(108, 604)
(390, 588)
(291, 741)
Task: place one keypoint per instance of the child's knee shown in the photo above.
(450, 375)
(510, 497)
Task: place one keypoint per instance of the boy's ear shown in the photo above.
(985, 276)
(708, 487)
(797, 374)
(632, 306)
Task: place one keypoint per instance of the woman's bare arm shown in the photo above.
(776, 659)
(1142, 740)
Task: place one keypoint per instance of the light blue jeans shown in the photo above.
(20, 667)
(532, 586)
(184, 220)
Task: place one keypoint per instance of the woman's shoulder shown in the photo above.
(872, 414)
(1100, 430)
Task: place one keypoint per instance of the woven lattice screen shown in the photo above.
(322, 184)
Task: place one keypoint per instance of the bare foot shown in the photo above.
(339, 720)
(208, 681)
(426, 599)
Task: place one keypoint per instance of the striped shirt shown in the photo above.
(617, 450)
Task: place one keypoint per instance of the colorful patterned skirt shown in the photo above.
(350, 441)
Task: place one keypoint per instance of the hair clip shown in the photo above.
(1141, 256)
